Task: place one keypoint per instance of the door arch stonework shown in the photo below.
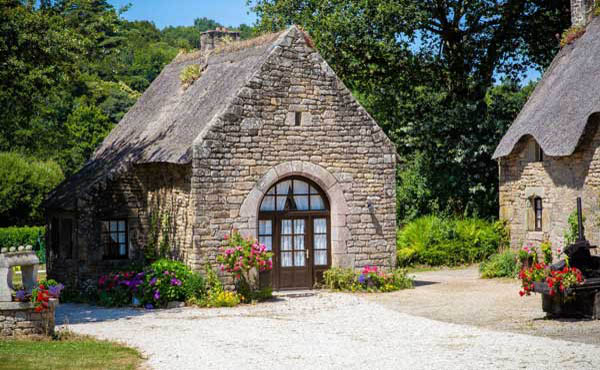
(339, 210)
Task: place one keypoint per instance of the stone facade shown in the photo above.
(148, 196)
(558, 181)
(337, 144)
(292, 117)
(20, 319)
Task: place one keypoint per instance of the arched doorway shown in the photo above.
(294, 222)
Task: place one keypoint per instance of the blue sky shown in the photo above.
(183, 12)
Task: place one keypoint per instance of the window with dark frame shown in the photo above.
(537, 154)
(115, 239)
(55, 236)
(539, 157)
(66, 237)
(298, 118)
(537, 204)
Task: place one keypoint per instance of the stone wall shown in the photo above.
(160, 189)
(256, 142)
(558, 181)
(20, 319)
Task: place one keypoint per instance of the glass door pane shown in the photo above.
(320, 241)
(293, 249)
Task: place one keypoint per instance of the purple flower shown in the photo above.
(166, 272)
(175, 281)
(127, 283)
(55, 290)
(20, 295)
(149, 306)
(156, 295)
(362, 278)
(153, 281)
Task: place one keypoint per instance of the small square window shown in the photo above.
(114, 239)
(298, 118)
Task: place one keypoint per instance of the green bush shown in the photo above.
(338, 278)
(503, 264)
(572, 232)
(436, 241)
(27, 235)
(24, 183)
(368, 280)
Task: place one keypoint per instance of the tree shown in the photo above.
(24, 183)
(424, 69)
(37, 54)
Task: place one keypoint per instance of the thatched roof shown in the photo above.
(166, 119)
(558, 111)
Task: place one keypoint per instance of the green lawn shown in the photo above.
(73, 352)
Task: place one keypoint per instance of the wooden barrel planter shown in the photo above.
(579, 301)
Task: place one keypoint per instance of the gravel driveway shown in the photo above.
(321, 330)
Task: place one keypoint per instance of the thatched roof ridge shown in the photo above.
(558, 111)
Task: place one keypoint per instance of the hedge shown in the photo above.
(28, 235)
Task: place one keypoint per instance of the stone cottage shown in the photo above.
(551, 153)
(266, 139)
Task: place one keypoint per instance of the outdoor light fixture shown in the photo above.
(370, 206)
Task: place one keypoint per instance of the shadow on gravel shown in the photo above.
(80, 313)
(420, 283)
(564, 319)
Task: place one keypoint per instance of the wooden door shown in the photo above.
(294, 253)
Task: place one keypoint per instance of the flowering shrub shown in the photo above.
(559, 281)
(527, 255)
(370, 279)
(40, 296)
(240, 257)
(117, 288)
(164, 283)
(158, 284)
(536, 273)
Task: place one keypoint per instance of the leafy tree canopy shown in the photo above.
(428, 71)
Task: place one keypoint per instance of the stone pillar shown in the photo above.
(581, 12)
(5, 291)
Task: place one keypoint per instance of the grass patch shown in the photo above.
(571, 34)
(190, 74)
(68, 352)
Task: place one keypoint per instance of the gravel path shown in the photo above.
(488, 303)
(324, 330)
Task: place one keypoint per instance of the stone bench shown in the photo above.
(26, 258)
